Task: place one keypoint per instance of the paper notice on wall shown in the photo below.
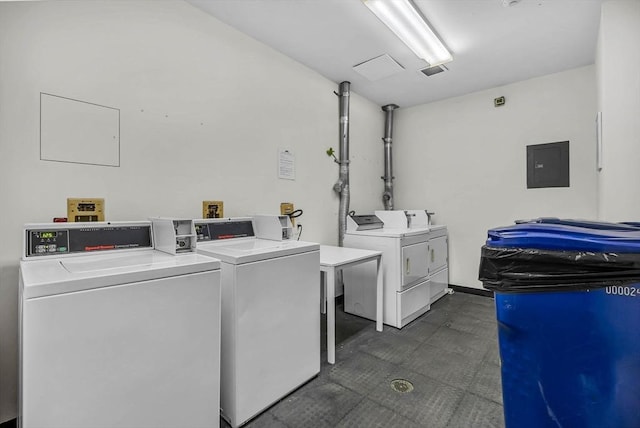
(286, 164)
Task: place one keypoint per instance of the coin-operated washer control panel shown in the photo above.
(218, 229)
(409, 219)
(94, 237)
(273, 227)
(363, 222)
(174, 235)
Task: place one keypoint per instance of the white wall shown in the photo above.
(618, 65)
(466, 159)
(203, 112)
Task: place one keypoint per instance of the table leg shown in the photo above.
(323, 294)
(331, 315)
(379, 284)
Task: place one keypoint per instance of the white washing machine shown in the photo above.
(114, 333)
(270, 314)
(414, 263)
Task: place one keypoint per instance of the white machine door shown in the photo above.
(437, 253)
(144, 354)
(414, 263)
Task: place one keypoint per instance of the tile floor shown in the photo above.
(450, 356)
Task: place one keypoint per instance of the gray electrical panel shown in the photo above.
(548, 165)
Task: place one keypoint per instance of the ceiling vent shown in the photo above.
(378, 68)
(430, 71)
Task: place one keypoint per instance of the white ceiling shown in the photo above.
(491, 45)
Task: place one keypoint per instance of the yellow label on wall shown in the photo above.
(286, 208)
(85, 209)
(212, 209)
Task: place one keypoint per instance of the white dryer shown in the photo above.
(114, 333)
(414, 263)
(437, 245)
(438, 261)
(270, 314)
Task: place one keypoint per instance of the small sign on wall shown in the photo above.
(286, 164)
(548, 165)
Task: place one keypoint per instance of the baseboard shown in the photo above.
(469, 290)
(12, 423)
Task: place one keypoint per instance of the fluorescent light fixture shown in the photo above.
(408, 24)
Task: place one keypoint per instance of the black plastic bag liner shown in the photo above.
(550, 254)
(513, 270)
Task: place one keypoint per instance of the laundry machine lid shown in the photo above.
(49, 276)
(247, 250)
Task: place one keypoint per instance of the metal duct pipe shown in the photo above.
(342, 185)
(387, 195)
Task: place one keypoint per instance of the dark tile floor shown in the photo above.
(450, 356)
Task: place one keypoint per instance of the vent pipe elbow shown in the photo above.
(387, 200)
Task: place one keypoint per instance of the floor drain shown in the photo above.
(401, 385)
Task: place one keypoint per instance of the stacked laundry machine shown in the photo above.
(415, 264)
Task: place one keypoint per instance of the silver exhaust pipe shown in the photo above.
(342, 185)
(387, 195)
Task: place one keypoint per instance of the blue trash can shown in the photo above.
(568, 310)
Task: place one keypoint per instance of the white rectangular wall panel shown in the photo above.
(78, 131)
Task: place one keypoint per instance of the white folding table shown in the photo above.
(332, 260)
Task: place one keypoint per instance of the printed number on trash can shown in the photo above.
(622, 291)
